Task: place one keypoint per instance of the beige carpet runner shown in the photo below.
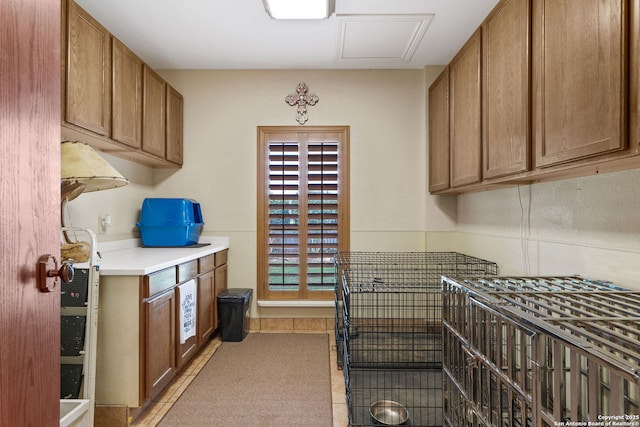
(267, 380)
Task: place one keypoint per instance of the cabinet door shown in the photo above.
(465, 115)
(126, 115)
(207, 307)
(505, 90)
(220, 281)
(174, 125)
(160, 342)
(88, 79)
(578, 70)
(439, 133)
(186, 350)
(153, 113)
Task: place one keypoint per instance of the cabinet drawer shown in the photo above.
(187, 270)
(206, 263)
(221, 257)
(159, 281)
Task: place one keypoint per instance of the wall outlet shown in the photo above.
(104, 222)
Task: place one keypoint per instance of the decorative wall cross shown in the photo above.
(301, 98)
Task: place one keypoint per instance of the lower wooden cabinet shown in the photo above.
(211, 282)
(207, 310)
(187, 349)
(160, 338)
(139, 348)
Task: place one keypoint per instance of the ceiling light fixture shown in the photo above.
(299, 9)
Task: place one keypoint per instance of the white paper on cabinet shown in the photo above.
(187, 310)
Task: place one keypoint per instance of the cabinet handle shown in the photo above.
(49, 274)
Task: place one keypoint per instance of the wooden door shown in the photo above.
(174, 125)
(439, 133)
(579, 72)
(505, 90)
(153, 113)
(465, 113)
(88, 68)
(29, 212)
(160, 351)
(126, 120)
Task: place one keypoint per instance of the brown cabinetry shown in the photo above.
(505, 90)
(579, 75)
(207, 310)
(439, 132)
(112, 100)
(211, 282)
(464, 114)
(126, 113)
(142, 315)
(185, 350)
(175, 107)
(153, 113)
(560, 96)
(159, 335)
(88, 72)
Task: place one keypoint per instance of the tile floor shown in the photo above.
(163, 403)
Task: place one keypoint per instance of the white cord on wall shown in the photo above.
(525, 230)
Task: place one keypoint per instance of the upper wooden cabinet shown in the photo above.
(175, 109)
(560, 95)
(505, 90)
(154, 104)
(112, 100)
(439, 132)
(88, 72)
(465, 113)
(579, 75)
(126, 124)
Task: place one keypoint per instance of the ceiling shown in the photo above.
(238, 34)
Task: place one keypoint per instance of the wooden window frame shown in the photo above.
(266, 134)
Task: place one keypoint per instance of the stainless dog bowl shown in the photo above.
(388, 412)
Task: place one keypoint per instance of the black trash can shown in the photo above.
(234, 313)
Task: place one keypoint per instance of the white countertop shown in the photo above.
(128, 258)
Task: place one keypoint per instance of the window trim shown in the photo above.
(297, 133)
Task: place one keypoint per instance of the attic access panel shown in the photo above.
(385, 37)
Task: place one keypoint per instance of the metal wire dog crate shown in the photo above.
(390, 323)
(551, 351)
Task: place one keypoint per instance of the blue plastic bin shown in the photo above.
(170, 222)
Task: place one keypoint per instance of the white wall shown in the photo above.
(123, 204)
(385, 110)
(588, 226)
